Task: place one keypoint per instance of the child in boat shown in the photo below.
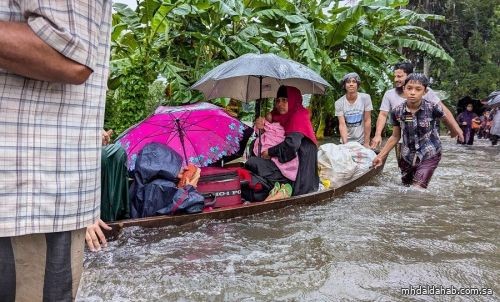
(416, 122)
(273, 135)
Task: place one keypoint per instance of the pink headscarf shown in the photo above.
(297, 118)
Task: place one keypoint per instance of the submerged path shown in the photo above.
(364, 246)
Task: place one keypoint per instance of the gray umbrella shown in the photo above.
(255, 76)
(494, 99)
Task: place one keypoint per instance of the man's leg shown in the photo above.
(494, 139)
(407, 172)
(471, 137)
(7, 271)
(30, 255)
(48, 266)
(64, 265)
(425, 170)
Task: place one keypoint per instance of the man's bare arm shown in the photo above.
(342, 130)
(367, 119)
(22, 52)
(451, 123)
(381, 120)
(391, 142)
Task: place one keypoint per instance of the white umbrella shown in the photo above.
(494, 99)
(256, 76)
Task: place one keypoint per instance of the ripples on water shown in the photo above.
(363, 246)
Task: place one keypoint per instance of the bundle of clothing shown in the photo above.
(155, 189)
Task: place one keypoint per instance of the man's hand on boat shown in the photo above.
(378, 161)
(95, 237)
(106, 137)
(376, 141)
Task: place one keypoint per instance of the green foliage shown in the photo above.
(472, 37)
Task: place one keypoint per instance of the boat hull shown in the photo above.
(244, 209)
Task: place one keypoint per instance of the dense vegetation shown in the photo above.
(162, 47)
(471, 35)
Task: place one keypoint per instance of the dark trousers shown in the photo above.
(419, 174)
(41, 267)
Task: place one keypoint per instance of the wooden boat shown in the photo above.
(244, 209)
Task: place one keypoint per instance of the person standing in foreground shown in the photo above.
(354, 112)
(394, 97)
(54, 58)
(417, 120)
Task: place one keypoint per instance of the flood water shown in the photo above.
(364, 246)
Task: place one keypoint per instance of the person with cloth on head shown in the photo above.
(300, 141)
(416, 121)
(395, 97)
(495, 126)
(54, 63)
(354, 112)
(465, 120)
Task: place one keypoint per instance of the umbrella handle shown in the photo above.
(260, 143)
(257, 111)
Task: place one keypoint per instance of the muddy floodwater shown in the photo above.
(365, 246)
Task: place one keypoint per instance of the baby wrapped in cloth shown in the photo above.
(273, 135)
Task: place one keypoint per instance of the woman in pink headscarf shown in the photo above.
(300, 141)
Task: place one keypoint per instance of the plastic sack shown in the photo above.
(335, 163)
(363, 157)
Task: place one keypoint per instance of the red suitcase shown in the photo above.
(221, 187)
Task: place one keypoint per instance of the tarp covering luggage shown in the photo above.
(154, 191)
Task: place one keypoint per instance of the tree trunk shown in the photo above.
(427, 66)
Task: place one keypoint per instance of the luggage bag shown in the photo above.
(220, 187)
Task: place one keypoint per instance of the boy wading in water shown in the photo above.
(416, 121)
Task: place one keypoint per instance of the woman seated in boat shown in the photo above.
(300, 141)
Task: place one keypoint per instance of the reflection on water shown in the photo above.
(363, 246)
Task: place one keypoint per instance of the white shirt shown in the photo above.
(354, 115)
(392, 99)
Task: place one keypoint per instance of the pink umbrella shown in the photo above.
(201, 133)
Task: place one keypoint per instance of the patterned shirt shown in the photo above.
(419, 130)
(50, 143)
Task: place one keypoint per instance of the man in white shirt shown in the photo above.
(354, 112)
(395, 97)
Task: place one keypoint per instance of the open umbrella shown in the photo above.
(256, 76)
(201, 133)
(494, 99)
